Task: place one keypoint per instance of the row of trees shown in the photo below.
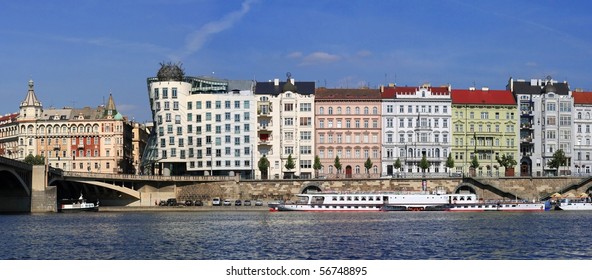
(508, 162)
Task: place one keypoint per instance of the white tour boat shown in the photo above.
(373, 201)
(574, 204)
(498, 206)
(79, 205)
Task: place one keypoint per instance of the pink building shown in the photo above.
(348, 126)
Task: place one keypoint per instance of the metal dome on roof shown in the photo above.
(170, 72)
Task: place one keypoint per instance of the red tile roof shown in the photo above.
(9, 117)
(582, 97)
(479, 96)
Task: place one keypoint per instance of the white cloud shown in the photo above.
(196, 40)
(295, 55)
(319, 58)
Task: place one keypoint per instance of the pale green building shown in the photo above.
(485, 124)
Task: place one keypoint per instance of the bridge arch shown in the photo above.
(13, 176)
(466, 187)
(128, 191)
(311, 187)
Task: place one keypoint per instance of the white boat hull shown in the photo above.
(482, 207)
(575, 206)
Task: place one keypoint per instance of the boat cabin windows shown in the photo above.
(318, 199)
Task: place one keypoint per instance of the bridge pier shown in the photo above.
(43, 197)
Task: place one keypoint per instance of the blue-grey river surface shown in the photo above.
(262, 235)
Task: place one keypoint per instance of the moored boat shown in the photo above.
(574, 204)
(78, 205)
(516, 206)
(373, 201)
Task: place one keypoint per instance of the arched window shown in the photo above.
(330, 111)
(579, 115)
(366, 111)
(321, 110)
(357, 169)
(375, 168)
(338, 110)
(348, 110)
(375, 110)
(357, 110)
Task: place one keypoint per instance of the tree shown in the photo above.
(450, 162)
(397, 164)
(263, 165)
(317, 165)
(558, 160)
(290, 164)
(35, 160)
(424, 164)
(368, 164)
(508, 162)
(337, 165)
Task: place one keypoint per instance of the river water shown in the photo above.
(262, 235)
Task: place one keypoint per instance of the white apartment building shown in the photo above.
(546, 124)
(285, 127)
(202, 126)
(416, 123)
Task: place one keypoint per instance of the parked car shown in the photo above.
(237, 202)
(162, 203)
(258, 203)
(172, 202)
(227, 202)
(188, 203)
(216, 201)
(247, 203)
(198, 203)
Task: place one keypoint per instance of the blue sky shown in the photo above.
(78, 52)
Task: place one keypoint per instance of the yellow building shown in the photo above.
(485, 125)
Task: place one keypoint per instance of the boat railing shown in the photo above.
(372, 193)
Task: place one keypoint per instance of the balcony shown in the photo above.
(526, 126)
(526, 113)
(81, 146)
(526, 140)
(56, 147)
(264, 126)
(264, 141)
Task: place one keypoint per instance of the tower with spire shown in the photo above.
(31, 108)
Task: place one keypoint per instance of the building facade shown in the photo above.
(94, 140)
(285, 128)
(484, 125)
(9, 136)
(583, 132)
(545, 108)
(348, 126)
(202, 126)
(416, 124)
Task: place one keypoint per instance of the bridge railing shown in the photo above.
(16, 163)
(149, 177)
